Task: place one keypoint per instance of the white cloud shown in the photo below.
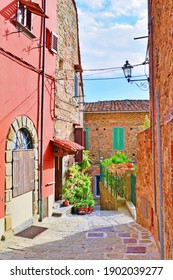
(107, 32)
(93, 4)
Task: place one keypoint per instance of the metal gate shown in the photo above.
(133, 189)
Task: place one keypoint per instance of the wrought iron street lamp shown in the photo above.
(127, 70)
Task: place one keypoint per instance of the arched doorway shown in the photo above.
(21, 187)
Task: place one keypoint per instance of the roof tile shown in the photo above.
(117, 106)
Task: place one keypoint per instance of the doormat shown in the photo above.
(31, 232)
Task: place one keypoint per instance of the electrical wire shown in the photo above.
(110, 78)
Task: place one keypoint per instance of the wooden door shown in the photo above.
(58, 178)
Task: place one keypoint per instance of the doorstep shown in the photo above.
(61, 211)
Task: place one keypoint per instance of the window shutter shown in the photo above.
(23, 172)
(18, 174)
(28, 170)
(118, 138)
(87, 138)
(54, 43)
(79, 138)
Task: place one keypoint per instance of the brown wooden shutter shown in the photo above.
(28, 170)
(18, 186)
(23, 172)
(79, 139)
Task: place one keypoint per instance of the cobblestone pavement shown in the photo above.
(101, 235)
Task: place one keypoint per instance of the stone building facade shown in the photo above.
(69, 95)
(112, 126)
(40, 110)
(69, 91)
(159, 182)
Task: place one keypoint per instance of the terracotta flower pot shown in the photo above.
(129, 165)
(66, 203)
(90, 208)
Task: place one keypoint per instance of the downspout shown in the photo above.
(42, 116)
(161, 230)
(152, 103)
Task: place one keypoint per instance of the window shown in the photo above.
(22, 140)
(54, 43)
(87, 138)
(97, 187)
(23, 163)
(24, 16)
(118, 138)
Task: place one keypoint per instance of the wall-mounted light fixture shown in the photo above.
(127, 70)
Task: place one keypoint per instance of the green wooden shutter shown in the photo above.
(118, 138)
(87, 131)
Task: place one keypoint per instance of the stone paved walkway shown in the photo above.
(97, 236)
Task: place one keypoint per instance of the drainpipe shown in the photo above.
(152, 103)
(42, 116)
(161, 230)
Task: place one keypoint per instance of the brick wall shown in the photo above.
(144, 183)
(101, 125)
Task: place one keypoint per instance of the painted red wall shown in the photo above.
(20, 87)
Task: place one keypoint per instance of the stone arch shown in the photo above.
(20, 122)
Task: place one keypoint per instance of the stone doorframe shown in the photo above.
(21, 122)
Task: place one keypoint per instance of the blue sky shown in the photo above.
(107, 29)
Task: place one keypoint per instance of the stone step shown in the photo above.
(61, 211)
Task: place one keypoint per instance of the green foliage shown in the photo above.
(85, 164)
(77, 187)
(146, 124)
(119, 157)
(114, 169)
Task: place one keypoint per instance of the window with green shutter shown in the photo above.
(118, 138)
(87, 137)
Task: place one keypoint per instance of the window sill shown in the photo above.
(24, 30)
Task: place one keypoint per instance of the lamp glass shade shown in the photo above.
(127, 69)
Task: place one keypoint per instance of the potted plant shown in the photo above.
(66, 198)
(85, 206)
(129, 165)
(91, 204)
(80, 208)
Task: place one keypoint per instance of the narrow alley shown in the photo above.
(101, 235)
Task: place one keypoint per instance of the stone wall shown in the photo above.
(107, 200)
(68, 108)
(101, 125)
